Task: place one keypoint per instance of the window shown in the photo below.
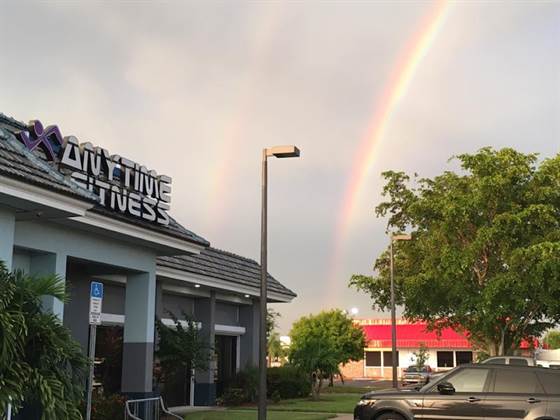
(445, 359)
(412, 369)
(550, 382)
(518, 362)
(373, 358)
(497, 361)
(388, 358)
(463, 357)
(515, 381)
(469, 380)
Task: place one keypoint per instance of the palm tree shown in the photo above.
(276, 351)
(42, 368)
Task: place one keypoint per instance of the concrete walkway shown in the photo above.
(345, 417)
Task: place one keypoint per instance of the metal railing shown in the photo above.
(8, 414)
(148, 409)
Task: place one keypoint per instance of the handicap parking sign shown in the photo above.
(95, 302)
(96, 290)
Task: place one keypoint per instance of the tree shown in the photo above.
(320, 343)
(181, 349)
(42, 368)
(276, 350)
(485, 254)
(271, 321)
(552, 340)
(421, 356)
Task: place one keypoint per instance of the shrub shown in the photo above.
(276, 397)
(288, 382)
(234, 396)
(246, 380)
(107, 408)
(282, 383)
(42, 368)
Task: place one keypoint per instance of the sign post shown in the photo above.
(95, 303)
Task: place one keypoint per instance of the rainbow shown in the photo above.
(234, 129)
(367, 151)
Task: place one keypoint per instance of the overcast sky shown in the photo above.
(195, 90)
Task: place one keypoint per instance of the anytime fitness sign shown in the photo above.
(121, 184)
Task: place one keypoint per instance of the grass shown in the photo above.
(341, 389)
(329, 403)
(338, 399)
(251, 415)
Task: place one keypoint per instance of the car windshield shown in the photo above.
(416, 369)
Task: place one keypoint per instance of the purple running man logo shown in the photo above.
(48, 139)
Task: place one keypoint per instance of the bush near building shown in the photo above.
(42, 368)
(282, 383)
(287, 382)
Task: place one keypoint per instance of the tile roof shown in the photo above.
(224, 265)
(18, 162)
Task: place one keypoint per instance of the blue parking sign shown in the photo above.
(96, 290)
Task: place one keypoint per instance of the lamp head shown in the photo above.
(283, 151)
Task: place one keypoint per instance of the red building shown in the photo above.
(446, 350)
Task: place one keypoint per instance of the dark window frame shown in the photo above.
(390, 354)
(379, 354)
(463, 352)
(452, 358)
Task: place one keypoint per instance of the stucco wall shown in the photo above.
(227, 314)
(52, 237)
(177, 305)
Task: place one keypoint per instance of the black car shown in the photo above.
(473, 392)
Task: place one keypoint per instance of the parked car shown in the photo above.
(510, 360)
(474, 392)
(414, 375)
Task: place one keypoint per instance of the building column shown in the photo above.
(205, 387)
(159, 300)
(49, 264)
(138, 342)
(7, 230)
(249, 318)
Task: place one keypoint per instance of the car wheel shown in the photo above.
(390, 416)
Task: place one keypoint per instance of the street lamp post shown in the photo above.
(393, 310)
(279, 152)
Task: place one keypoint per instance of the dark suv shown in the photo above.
(471, 392)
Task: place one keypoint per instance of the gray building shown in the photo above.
(77, 211)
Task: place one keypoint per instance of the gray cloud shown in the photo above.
(196, 89)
